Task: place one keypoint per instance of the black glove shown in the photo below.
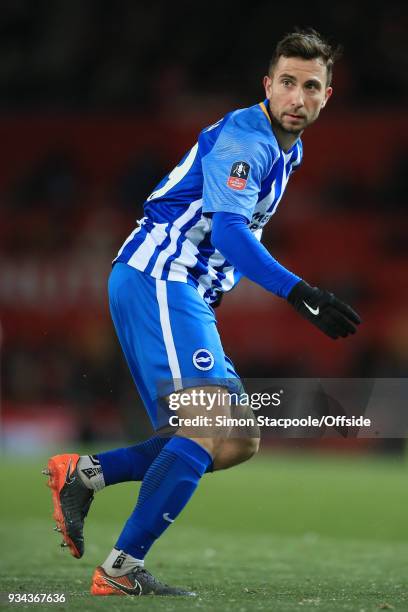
(217, 301)
(323, 309)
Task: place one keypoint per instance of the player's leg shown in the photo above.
(125, 464)
(178, 323)
(92, 473)
(166, 488)
(235, 451)
(74, 479)
(131, 463)
(242, 442)
(141, 322)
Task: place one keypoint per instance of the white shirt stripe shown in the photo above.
(174, 236)
(187, 258)
(142, 255)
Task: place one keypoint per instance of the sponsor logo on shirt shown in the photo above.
(259, 220)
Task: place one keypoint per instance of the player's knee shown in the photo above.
(235, 451)
(197, 417)
(246, 445)
(211, 445)
(248, 448)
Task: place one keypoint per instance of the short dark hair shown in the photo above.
(307, 44)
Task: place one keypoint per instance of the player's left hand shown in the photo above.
(332, 316)
(217, 301)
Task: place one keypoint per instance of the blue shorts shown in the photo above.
(169, 336)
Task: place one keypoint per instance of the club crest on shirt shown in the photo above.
(239, 175)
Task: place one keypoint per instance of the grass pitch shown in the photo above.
(277, 533)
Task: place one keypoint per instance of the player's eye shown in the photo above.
(286, 82)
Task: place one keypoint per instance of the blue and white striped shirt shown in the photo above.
(236, 166)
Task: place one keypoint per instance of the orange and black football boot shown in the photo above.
(137, 582)
(71, 499)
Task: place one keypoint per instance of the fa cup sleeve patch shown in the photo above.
(239, 175)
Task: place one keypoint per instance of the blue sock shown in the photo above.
(132, 463)
(167, 487)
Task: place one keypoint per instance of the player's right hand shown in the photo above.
(332, 316)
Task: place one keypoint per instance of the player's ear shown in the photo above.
(267, 81)
(328, 93)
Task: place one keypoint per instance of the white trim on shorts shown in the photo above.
(161, 293)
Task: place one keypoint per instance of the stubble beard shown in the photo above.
(277, 123)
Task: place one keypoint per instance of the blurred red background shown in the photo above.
(75, 170)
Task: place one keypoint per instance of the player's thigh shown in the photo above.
(135, 314)
(168, 335)
(199, 351)
(204, 371)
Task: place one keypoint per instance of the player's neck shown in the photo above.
(286, 140)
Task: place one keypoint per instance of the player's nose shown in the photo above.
(297, 97)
